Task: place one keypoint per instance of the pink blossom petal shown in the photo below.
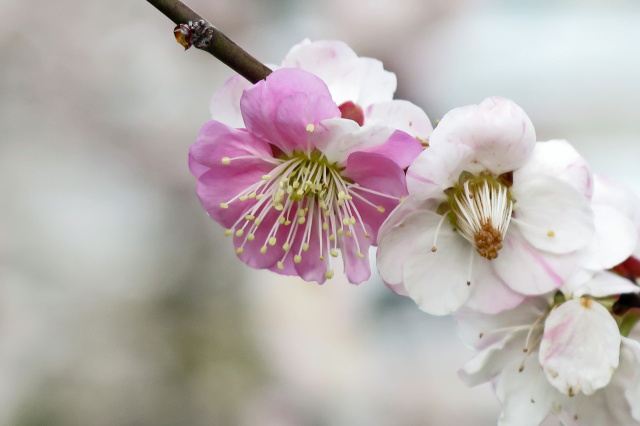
(615, 239)
(531, 271)
(294, 115)
(580, 348)
(401, 115)
(499, 132)
(373, 172)
(436, 169)
(225, 102)
(436, 281)
(217, 141)
(557, 158)
(252, 254)
(400, 147)
(311, 267)
(259, 104)
(552, 215)
(356, 267)
(489, 294)
(218, 186)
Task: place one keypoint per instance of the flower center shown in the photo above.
(305, 204)
(481, 209)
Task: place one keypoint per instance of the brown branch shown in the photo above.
(217, 44)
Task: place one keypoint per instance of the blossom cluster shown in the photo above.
(531, 252)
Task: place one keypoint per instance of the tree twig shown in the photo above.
(217, 44)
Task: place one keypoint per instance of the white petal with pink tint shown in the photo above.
(499, 132)
(559, 159)
(580, 348)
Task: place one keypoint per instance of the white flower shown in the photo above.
(360, 87)
(491, 215)
(558, 357)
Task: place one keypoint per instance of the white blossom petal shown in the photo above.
(551, 214)
(530, 271)
(527, 398)
(401, 115)
(490, 361)
(580, 348)
(604, 284)
(436, 169)
(615, 239)
(489, 294)
(225, 102)
(437, 281)
(557, 158)
(499, 132)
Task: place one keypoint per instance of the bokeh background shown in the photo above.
(121, 303)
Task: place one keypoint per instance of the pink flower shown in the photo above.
(300, 184)
(492, 216)
(360, 87)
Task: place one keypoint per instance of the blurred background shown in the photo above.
(121, 303)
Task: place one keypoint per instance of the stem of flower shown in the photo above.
(219, 44)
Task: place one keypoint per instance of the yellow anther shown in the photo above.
(551, 234)
(272, 241)
(297, 258)
(259, 196)
(310, 127)
(321, 257)
(286, 246)
(340, 232)
(226, 160)
(257, 222)
(300, 212)
(279, 207)
(280, 266)
(251, 237)
(381, 209)
(367, 235)
(360, 255)
(287, 222)
(266, 177)
(334, 253)
(281, 220)
(325, 226)
(239, 250)
(224, 205)
(252, 195)
(239, 232)
(249, 217)
(263, 249)
(243, 197)
(305, 246)
(349, 234)
(352, 220)
(329, 274)
(301, 220)
(332, 237)
(346, 221)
